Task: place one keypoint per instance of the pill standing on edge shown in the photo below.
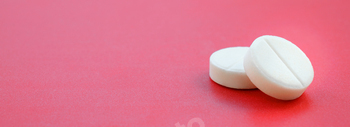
(278, 67)
(226, 68)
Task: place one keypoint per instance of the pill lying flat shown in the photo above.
(278, 67)
(226, 68)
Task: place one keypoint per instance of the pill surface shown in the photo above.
(226, 68)
(278, 67)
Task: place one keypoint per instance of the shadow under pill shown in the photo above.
(256, 104)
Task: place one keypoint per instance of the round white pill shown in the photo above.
(278, 67)
(226, 68)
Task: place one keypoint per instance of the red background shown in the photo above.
(145, 63)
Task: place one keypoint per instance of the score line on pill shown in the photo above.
(226, 68)
(278, 67)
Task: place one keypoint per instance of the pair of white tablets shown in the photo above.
(272, 64)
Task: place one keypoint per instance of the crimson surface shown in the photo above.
(145, 63)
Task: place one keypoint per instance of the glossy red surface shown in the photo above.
(145, 63)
